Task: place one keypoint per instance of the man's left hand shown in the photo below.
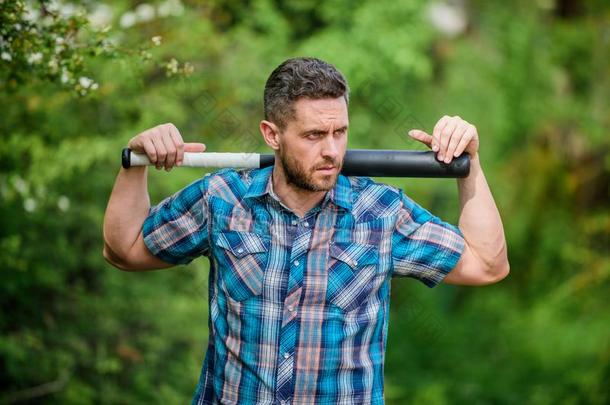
(451, 137)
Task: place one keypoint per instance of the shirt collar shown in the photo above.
(340, 194)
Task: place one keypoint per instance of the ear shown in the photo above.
(270, 133)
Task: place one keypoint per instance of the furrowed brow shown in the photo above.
(321, 131)
(314, 132)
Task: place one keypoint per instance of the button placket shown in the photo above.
(302, 231)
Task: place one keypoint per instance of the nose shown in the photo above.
(330, 148)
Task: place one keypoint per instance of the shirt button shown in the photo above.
(306, 224)
(290, 308)
(294, 222)
(240, 250)
(296, 262)
(284, 402)
(286, 355)
(355, 263)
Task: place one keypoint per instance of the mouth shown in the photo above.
(327, 169)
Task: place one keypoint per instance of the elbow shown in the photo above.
(113, 251)
(506, 270)
(113, 259)
(498, 268)
(497, 272)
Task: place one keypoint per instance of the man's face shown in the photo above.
(313, 144)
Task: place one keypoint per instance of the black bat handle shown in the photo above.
(396, 163)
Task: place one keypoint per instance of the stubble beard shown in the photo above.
(299, 177)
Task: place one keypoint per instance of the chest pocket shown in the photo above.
(352, 274)
(243, 257)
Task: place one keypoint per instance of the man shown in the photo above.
(301, 257)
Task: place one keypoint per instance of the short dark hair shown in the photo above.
(300, 77)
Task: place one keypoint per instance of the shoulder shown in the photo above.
(372, 199)
(225, 175)
(363, 183)
(230, 184)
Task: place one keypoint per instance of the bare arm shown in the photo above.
(129, 201)
(126, 211)
(484, 260)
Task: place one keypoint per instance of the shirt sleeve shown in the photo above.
(423, 246)
(176, 229)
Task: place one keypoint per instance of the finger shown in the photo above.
(421, 136)
(178, 144)
(463, 143)
(149, 149)
(194, 147)
(161, 152)
(134, 144)
(455, 140)
(436, 132)
(170, 159)
(445, 136)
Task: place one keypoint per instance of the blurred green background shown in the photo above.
(79, 79)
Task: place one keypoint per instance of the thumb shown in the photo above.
(194, 147)
(421, 136)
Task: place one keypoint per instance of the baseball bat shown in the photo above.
(357, 162)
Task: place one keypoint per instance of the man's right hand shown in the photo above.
(163, 145)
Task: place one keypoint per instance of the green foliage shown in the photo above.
(533, 79)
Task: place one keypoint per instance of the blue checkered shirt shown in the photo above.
(298, 306)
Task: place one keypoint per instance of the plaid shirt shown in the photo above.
(298, 306)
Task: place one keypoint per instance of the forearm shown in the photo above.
(127, 209)
(480, 221)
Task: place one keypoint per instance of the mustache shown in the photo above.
(329, 163)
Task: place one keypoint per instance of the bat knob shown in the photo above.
(459, 167)
(126, 158)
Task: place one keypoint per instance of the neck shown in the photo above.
(299, 200)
